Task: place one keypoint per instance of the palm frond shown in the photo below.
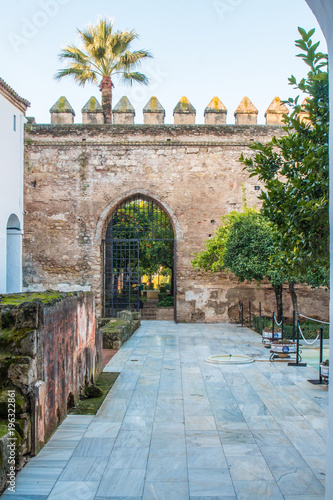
(72, 52)
(79, 74)
(97, 39)
(97, 35)
(121, 41)
(131, 59)
(129, 78)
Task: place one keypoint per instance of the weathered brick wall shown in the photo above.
(49, 352)
(69, 359)
(76, 174)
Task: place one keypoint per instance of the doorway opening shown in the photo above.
(139, 258)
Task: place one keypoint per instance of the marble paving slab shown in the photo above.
(174, 427)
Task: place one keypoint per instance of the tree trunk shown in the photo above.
(293, 297)
(279, 304)
(106, 89)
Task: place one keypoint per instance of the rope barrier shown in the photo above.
(309, 343)
(278, 324)
(316, 320)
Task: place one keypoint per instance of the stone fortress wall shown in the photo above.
(76, 174)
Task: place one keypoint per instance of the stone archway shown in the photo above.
(139, 235)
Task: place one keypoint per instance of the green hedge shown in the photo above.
(309, 328)
(261, 322)
(166, 301)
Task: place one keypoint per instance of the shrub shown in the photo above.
(261, 322)
(310, 330)
(167, 301)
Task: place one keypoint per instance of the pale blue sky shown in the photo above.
(202, 48)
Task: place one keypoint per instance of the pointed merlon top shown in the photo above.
(277, 108)
(304, 103)
(246, 107)
(124, 106)
(92, 106)
(154, 106)
(62, 106)
(216, 106)
(184, 106)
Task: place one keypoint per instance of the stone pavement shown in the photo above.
(174, 427)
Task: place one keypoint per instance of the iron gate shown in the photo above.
(137, 224)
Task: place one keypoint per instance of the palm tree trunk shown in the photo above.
(106, 89)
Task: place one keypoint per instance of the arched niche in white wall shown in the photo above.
(14, 255)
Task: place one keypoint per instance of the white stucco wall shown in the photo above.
(323, 10)
(11, 186)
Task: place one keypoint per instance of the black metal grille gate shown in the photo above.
(137, 220)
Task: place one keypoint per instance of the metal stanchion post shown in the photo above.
(294, 323)
(321, 354)
(273, 322)
(321, 349)
(297, 350)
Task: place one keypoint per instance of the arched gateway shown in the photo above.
(139, 235)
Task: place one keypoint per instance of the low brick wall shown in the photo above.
(115, 332)
(48, 353)
(165, 313)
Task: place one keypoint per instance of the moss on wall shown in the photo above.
(114, 325)
(19, 298)
(8, 337)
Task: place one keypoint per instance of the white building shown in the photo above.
(12, 119)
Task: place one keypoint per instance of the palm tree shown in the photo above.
(105, 54)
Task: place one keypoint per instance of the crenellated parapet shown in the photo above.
(274, 113)
(92, 112)
(62, 112)
(153, 112)
(184, 113)
(216, 113)
(123, 113)
(246, 113)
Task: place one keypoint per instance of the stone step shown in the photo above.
(150, 304)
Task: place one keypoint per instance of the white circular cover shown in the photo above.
(229, 359)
